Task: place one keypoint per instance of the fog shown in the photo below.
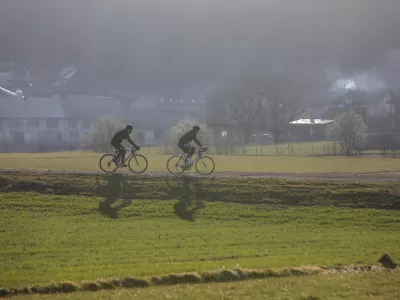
(179, 43)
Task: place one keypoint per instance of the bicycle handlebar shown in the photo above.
(202, 149)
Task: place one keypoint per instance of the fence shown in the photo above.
(293, 149)
(289, 149)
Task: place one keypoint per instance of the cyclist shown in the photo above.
(116, 142)
(184, 144)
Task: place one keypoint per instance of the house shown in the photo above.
(174, 106)
(309, 129)
(55, 122)
(367, 103)
(149, 127)
(374, 106)
(154, 113)
(225, 132)
(82, 111)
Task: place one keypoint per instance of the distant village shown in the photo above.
(56, 112)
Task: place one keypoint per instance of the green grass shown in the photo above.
(236, 190)
(87, 161)
(88, 227)
(383, 286)
(54, 237)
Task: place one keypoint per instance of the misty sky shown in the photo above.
(177, 43)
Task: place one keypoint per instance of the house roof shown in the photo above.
(311, 122)
(71, 106)
(148, 119)
(361, 97)
(33, 107)
(92, 107)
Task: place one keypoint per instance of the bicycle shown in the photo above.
(134, 160)
(176, 163)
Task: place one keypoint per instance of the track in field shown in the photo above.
(384, 176)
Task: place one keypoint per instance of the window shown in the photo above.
(51, 123)
(33, 123)
(14, 124)
(85, 124)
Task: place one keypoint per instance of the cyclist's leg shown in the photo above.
(120, 153)
(191, 151)
(186, 151)
(116, 158)
(183, 148)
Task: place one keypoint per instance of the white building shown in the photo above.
(53, 120)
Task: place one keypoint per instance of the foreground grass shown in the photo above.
(53, 237)
(86, 161)
(355, 286)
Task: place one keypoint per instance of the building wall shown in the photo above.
(46, 131)
(144, 137)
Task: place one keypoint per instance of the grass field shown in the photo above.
(75, 237)
(87, 161)
(59, 238)
(383, 286)
(89, 227)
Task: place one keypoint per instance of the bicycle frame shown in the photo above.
(127, 158)
(199, 156)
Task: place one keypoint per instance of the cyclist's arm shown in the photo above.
(128, 138)
(197, 141)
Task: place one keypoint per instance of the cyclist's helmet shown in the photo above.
(129, 127)
(196, 127)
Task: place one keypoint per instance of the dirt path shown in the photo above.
(388, 176)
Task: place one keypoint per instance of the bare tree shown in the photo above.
(268, 101)
(285, 98)
(241, 101)
(348, 129)
(394, 100)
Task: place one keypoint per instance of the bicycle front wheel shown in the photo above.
(107, 165)
(174, 165)
(138, 164)
(205, 165)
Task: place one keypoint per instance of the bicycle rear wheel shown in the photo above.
(173, 165)
(138, 164)
(205, 165)
(107, 164)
